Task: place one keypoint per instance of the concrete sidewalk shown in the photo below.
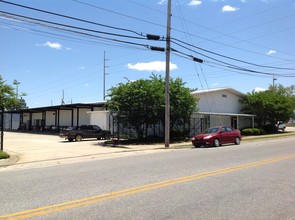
(27, 150)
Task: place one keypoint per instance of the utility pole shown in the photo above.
(167, 78)
(104, 75)
(2, 127)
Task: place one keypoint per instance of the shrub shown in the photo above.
(252, 131)
(256, 131)
(247, 131)
(4, 155)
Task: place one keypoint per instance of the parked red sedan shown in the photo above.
(217, 136)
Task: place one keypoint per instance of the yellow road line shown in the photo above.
(113, 195)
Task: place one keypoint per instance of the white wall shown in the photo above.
(50, 118)
(216, 120)
(100, 118)
(11, 121)
(219, 102)
(65, 117)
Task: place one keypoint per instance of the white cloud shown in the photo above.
(270, 52)
(228, 8)
(161, 2)
(243, 1)
(195, 2)
(258, 89)
(81, 67)
(56, 46)
(86, 84)
(151, 66)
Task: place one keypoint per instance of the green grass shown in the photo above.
(4, 155)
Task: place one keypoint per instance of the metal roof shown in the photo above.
(225, 114)
(229, 89)
(65, 107)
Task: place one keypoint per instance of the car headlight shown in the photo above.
(193, 138)
(207, 137)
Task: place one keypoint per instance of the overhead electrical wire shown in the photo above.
(33, 20)
(69, 26)
(73, 31)
(231, 66)
(72, 18)
(123, 29)
(227, 57)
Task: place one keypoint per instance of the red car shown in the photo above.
(217, 136)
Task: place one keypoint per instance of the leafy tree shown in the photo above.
(7, 95)
(142, 102)
(275, 104)
(20, 104)
(7, 101)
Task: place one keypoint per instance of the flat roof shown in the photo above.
(225, 114)
(65, 107)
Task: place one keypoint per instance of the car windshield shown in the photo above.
(211, 130)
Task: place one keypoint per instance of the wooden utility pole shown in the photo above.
(2, 128)
(167, 78)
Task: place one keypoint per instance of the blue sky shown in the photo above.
(244, 45)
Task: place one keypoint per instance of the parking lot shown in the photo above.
(27, 149)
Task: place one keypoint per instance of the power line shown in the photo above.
(70, 17)
(227, 57)
(76, 32)
(231, 66)
(70, 26)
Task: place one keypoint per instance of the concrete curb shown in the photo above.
(10, 161)
(15, 157)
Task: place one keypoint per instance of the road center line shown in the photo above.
(113, 195)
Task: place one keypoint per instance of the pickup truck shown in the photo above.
(84, 131)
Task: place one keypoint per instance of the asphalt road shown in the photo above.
(255, 180)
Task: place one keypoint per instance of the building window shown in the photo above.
(224, 95)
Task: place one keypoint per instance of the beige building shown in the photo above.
(220, 106)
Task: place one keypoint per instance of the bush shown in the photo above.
(3, 155)
(256, 131)
(247, 131)
(252, 131)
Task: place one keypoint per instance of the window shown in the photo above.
(224, 95)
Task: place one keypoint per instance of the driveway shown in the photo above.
(27, 149)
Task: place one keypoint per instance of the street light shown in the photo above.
(273, 81)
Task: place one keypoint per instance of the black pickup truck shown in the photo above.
(84, 131)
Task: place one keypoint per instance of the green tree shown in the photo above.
(142, 102)
(275, 104)
(7, 101)
(7, 95)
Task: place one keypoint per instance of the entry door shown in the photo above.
(234, 122)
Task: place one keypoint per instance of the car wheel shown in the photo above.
(237, 141)
(78, 137)
(107, 136)
(70, 139)
(216, 143)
